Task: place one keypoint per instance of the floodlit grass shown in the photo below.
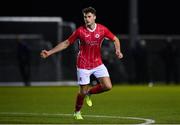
(48, 105)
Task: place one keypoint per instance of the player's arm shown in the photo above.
(61, 46)
(118, 48)
(116, 41)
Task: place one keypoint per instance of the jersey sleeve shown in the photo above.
(109, 34)
(74, 36)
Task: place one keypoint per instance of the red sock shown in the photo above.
(96, 89)
(79, 102)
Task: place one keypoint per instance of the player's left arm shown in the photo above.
(116, 41)
(117, 47)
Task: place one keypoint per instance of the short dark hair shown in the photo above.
(89, 10)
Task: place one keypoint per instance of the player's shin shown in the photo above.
(79, 102)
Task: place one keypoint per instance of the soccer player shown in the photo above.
(89, 60)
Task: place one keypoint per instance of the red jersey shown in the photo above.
(89, 55)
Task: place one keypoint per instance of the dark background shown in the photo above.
(157, 19)
(155, 16)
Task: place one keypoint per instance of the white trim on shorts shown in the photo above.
(83, 75)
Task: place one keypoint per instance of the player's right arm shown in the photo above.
(61, 46)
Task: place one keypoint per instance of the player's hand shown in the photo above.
(44, 54)
(119, 54)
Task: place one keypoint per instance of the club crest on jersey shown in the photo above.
(97, 36)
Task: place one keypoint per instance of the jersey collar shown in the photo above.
(92, 30)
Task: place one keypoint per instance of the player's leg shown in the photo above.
(80, 97)
(104, 85)
(83, 81)
(102, 74)
(79, 101)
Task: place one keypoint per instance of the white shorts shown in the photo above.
(83, 75)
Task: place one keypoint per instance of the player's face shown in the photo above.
(89, 19)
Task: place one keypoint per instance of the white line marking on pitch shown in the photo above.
(146, 121)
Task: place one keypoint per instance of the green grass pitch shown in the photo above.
(55, 104)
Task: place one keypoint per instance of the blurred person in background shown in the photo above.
(89, 62)
(170, 57)
(141, 62)
(24, 60)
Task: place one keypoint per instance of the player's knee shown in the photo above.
(108, 87)
(83, 92)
